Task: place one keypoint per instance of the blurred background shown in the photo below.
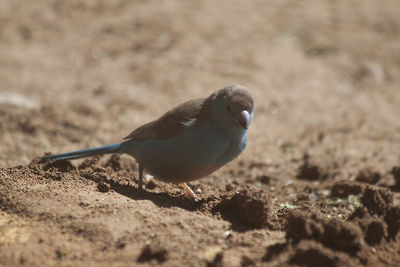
(83, 73)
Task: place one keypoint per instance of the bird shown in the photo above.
(190, 141)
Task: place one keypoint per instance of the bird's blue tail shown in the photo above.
(114, 148)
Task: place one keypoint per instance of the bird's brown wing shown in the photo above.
(170, 124)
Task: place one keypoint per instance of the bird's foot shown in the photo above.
(189, 192)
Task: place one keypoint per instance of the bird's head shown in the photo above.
(233, 107)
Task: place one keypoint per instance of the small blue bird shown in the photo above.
(188, 142)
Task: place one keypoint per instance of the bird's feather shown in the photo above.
(108, 149)
(171, 123)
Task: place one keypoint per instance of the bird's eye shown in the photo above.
(228, 108)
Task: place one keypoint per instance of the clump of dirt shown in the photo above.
(375, 231)
(274, 250)
(377, 200)
(303, 198)
(97, 176)
(396, 175)
(105, 170)
(153, 253)
(91, 162)
(245, 209)
(54, 170)
(332, 233)
(264, 179)
(114, 162)
(344, 188)
(313, 254)
(54, 175)
(378, 218)
(311, 170)
(103, 187)
(368, 176)
(393, 222)
(59, 165)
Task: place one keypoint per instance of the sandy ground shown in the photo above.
(318, 183)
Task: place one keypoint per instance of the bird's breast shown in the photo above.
(194, 153)
(234, 149)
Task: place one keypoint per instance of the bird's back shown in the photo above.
(170, 124)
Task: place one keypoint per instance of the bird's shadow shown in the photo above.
(161, 199)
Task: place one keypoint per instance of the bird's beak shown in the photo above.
(244, 119)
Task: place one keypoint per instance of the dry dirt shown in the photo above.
(318, 184)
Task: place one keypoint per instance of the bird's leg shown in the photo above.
(189, 191)
(140, 177)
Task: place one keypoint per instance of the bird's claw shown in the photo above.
(189, 192)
